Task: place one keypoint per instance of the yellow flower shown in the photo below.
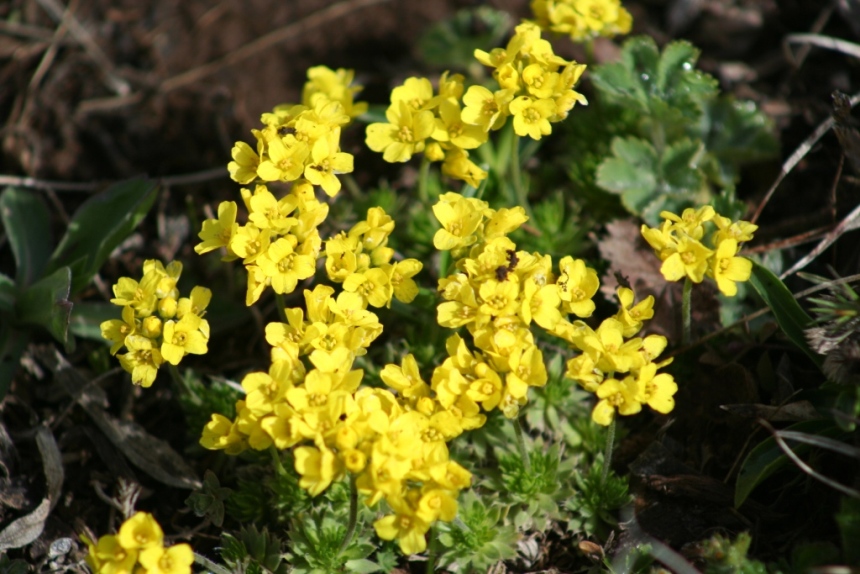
(108, 556)
(220, 433)
(141, 296)
(217, 233)
(373, 285)
(633, 317)
(267, 212)
(116, 330)
(283, 266)
(417, 93)
(174, 560)
(188, 335)
(531, 116)
(140, 532)
(196, 304)
(318, 467)
(400, 277)
(453, 130)
(286, 159)
(690, 260)
(615, 396)
(403, 135)
(142, 360)
(460, 219)
(728, 269)
(326, 161)
(406, 527)
(656, 390)
(243, 168)
(577, 285)
(458, 166)
(486, 109)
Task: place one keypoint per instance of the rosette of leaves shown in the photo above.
(687, 142)
(253, 551)
(38, 298)
(596, 500)
(478, 538)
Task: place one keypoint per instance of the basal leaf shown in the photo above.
(677, 59)
(737, 133)
(46, 304)
(7, 294)
(99, 225)
(28, 228)
(87, 317)
(451, 43)
(767, 458)
(679, 169)
(790, 316)
(619, 86)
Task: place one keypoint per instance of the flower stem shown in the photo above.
(423, 175)
(521, 444)
(607, 454)
(685, 311)
(353, 515)
(180, 384)
(276, 459)
(431, 554)
(281, 304)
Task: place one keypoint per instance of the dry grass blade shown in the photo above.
(798, 155)
(848, 48)
(778, 437)
(851, 221)
(821, 441)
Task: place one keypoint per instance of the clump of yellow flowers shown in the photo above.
(300, 144)
(678, 243)
(138, 547)
(157, 325)
(535, 87)
(497, 292)
(582, 19)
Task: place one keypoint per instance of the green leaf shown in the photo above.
(7, 294)
(737, 133)
(27, 225)
(362, 566)
(679, 169)
(767, 458)
(790, 316)
(46, 304)
(87, 317)
(451, 44)
(99, 225)
(632, 172)
(848, 519)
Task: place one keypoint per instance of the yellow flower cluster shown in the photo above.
(157, 325)
(280, 243)
(582, 19)
(393, 441)
(535, 85)
(138, 547)
(303, 140)
(605, 353)
(421, 121)
(497, 292)
(361, 260)
(678, 243)
(536, 88)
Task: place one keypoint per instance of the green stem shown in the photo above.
(444, 263)
(423, 176)
(180, 384)
(517, 177)
(431, 554)
(353, 515)
(521, 444)
(607, 454)
(281, 304)
(685, 311)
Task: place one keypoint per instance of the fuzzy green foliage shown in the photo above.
(686, 141)
(596, 500)
(451, 43)
(725, 556)
(209, 500)
(478, 538)
(253, 551)
(315, 546)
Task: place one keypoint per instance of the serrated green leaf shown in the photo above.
(679, 170)
(46, 304)
(632, 170)
(99, 225)
(28, 227)
(737, 133)
(451, 43)
(789, 315)
(7, 293)
(677, 58)
(767, 457)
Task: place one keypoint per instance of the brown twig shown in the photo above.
(265, 42)
(168, 181)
